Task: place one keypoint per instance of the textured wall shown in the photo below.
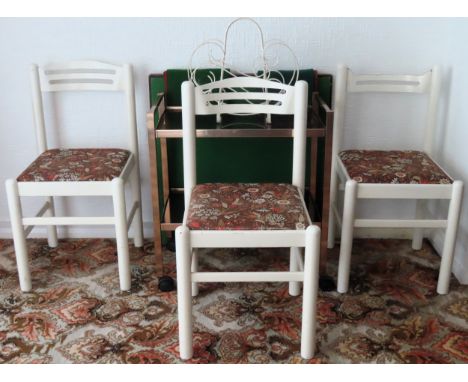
(152, 45)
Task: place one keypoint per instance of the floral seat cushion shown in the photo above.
(379, 166)
(61, 165)
(246, 206)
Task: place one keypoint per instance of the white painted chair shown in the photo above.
(378, 174)
(240, 215)
(78, 172)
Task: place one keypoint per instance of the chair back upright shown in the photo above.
(243, 95)
(83, 76)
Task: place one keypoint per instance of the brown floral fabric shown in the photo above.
(379, 166)
(61, 165)
(246, 206)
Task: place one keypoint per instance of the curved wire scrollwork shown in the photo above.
(265, 63)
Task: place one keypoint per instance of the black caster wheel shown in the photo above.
(166, 284)
(326, 284)
(170, 245)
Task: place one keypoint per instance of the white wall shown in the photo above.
(152, 45)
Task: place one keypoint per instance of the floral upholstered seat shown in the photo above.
(246, 206)
(379, 166)
(60, 165)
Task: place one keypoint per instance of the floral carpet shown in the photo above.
(76, 313)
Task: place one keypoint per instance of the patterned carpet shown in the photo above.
(76, 313)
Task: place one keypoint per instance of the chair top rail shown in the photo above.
(388, 83)
(246, 82)
(81, 64)
(81, 75)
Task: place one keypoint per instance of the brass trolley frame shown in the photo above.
(320, 125)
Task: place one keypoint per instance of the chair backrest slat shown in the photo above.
(243, 95)
(388, 83)
(82, 75)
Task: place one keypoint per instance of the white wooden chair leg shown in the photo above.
(138, 218)
(445, 272)
(194, 269)
(294, 286)
(331, 228)
(19, 238)
(184, 295)
(418, 233)
(309, 304)
(51, 229)
(121, 234)
(347, 235)
(331, 215)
